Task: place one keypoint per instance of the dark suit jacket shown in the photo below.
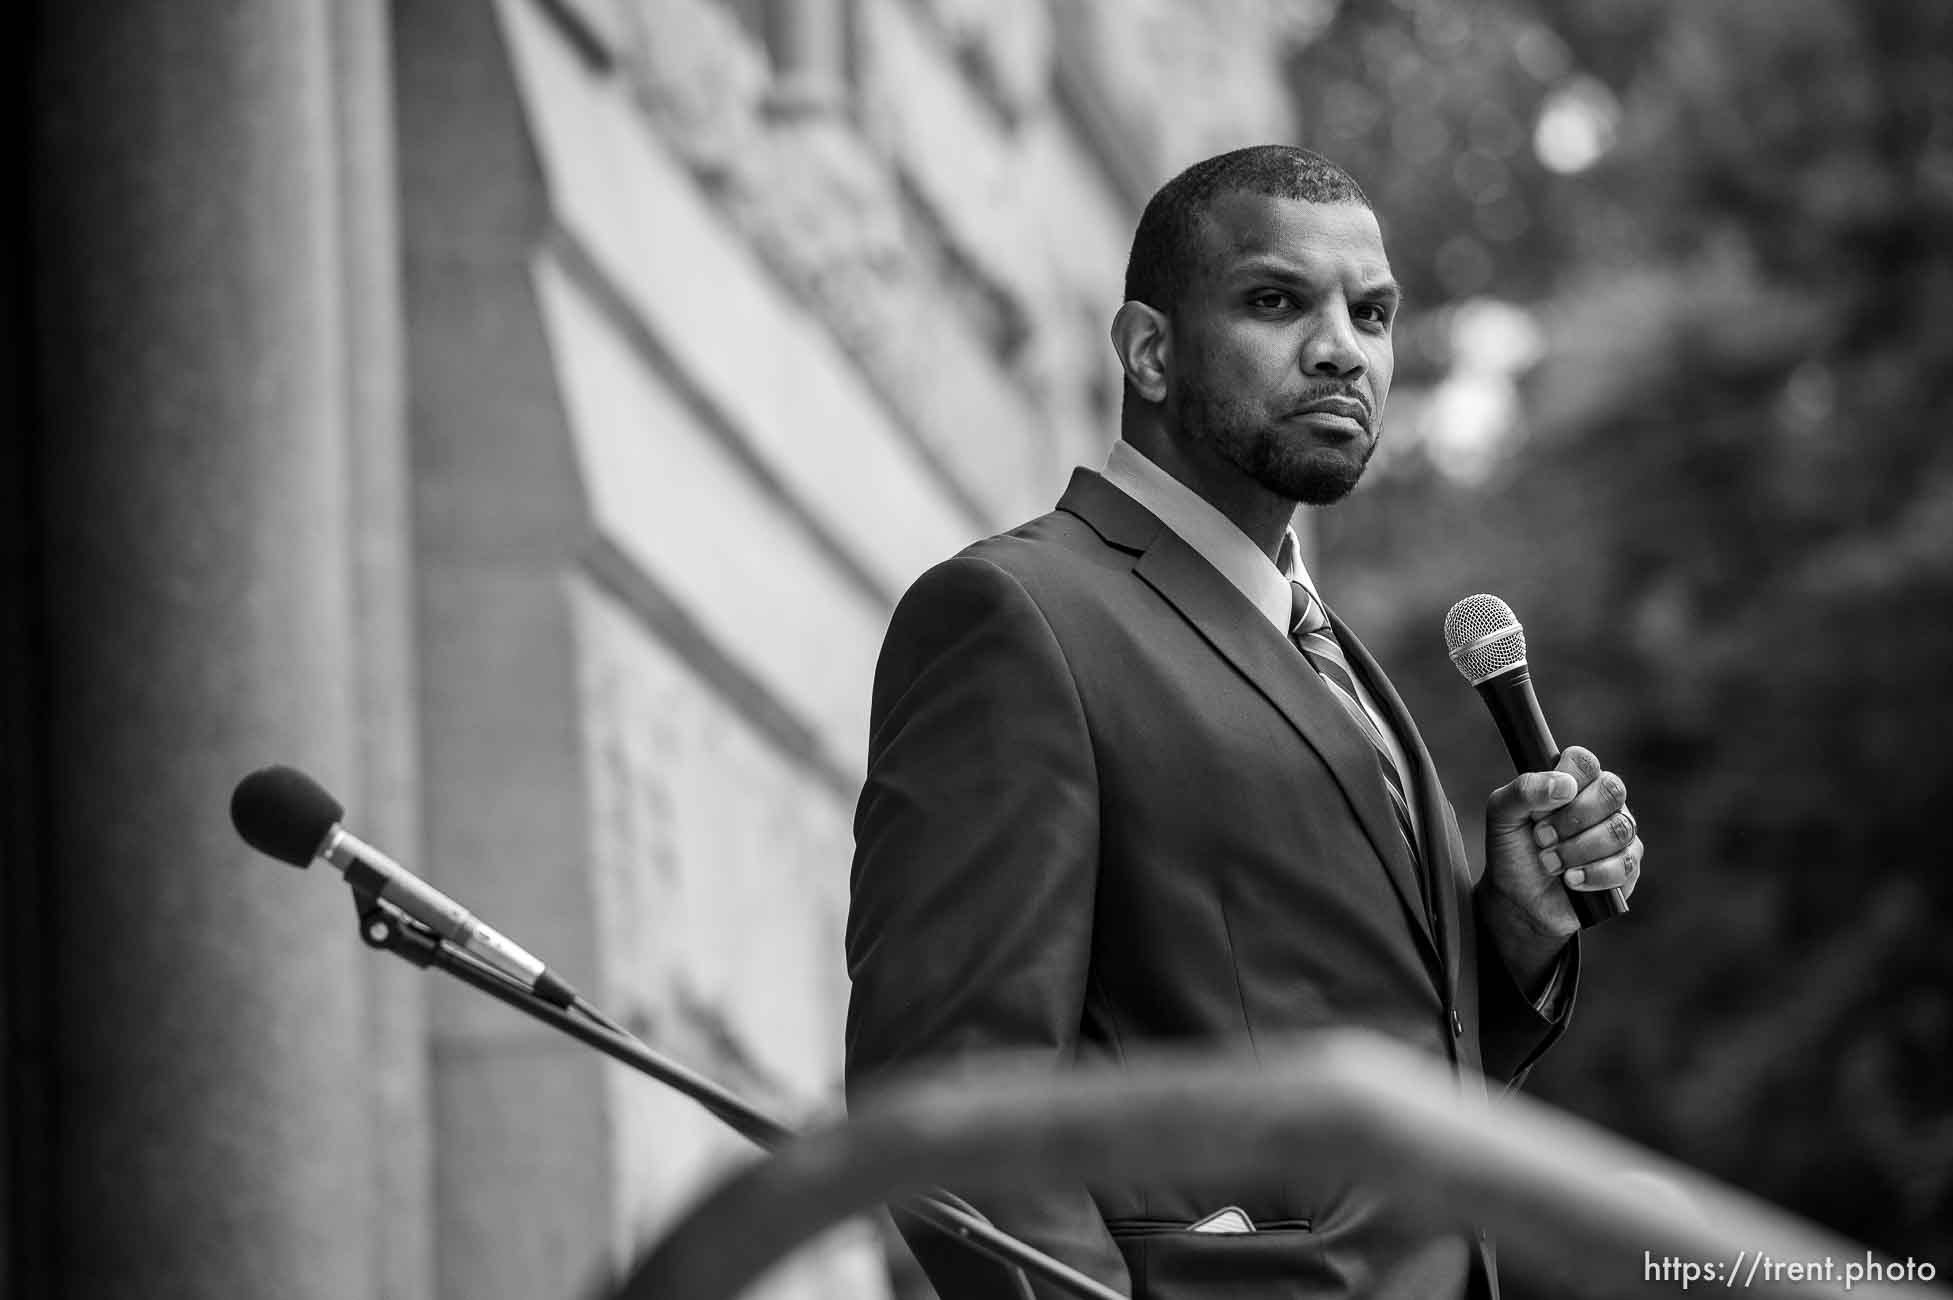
(1108, 804)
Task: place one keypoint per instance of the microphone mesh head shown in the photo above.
(1483, 638)
(283, 813)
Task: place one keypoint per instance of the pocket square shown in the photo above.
(1228, 1219)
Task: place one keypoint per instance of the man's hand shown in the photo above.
(1543, 830)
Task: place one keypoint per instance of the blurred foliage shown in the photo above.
(1728, 524)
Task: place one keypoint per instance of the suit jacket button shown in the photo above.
(1457, 1025)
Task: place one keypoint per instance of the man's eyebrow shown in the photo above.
(1384, 286)
(1267, 266)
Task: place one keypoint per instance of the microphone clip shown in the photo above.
(384, 926)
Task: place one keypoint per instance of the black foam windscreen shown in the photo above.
(283, 813)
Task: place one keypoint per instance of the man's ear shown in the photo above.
(1141, 336)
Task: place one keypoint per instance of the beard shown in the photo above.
(1281, 459)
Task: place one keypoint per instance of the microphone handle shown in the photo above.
(1522, 726)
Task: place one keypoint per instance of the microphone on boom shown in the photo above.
(285, 814)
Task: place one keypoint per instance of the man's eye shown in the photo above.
(1371, 313)
(1270, 300)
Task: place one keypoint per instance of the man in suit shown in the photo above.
(1129, 783)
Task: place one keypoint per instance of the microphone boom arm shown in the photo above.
(382, 925)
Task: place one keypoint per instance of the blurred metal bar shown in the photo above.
(1552, 1188)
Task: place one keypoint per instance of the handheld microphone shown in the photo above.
(283, 813)
(1488, 647)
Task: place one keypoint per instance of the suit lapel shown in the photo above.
(1228, 621)
(1231, 624)
(1442, 857)
(1113, 515)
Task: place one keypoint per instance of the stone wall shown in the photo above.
(726, 320)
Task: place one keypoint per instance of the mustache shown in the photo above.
(1329, 396)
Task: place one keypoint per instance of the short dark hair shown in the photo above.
(1166, 246)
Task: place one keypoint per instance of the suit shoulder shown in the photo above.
(1056, 554)
(998, 612)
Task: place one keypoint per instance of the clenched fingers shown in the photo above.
(1622, 869)
(1592, 839)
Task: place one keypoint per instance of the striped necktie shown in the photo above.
(1312, 635)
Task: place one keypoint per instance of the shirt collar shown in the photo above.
(1213, 536)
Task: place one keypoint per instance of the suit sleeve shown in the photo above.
(976, 863)
(1514, 1033)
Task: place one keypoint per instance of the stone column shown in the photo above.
(210, 1131)
(523, 1144)
(388, 797)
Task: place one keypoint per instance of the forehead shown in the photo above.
(1334, 240)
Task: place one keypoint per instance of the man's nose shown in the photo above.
(1331, 349)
